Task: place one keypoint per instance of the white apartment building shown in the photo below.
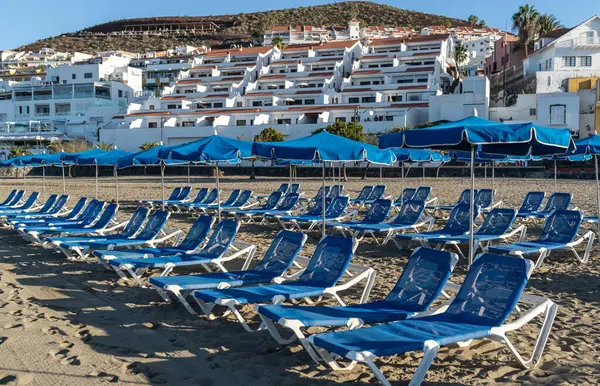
(565, 54)
(72, 100)
(297, 90)
(303, 34)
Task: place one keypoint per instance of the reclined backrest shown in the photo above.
(243, 198)
(135, 222)
(337, 207)
(294, 188)
(532, 202)
(364, 193)
(410, 213)
(336, 190)
(155, 224)
(220, 239)
(272, 200)
(465, 197)
(107, 216)
(201, 195)
(459, 218)
(561, 227)
(49, 203)
(282, 252)
(328, 262)
(378, 211)
(283, 188)
(197, 233)
(174, 194)
(319, 194)
(558, 201)
(484, 198)
(232, 197)
(31, 200)
(60, 203)
(497, 222)
(490, 291)
(211, 197)
(92, 211)
(76, 210)
(289, 201)
(377, 192)
(422, 193)
(184, 193)
(408, 194)
(9, 198)
(16, 198)
(422, 279)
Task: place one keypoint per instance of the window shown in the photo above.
(549, 81)
(540, 67)
(368, 100)
(73, 76)
(151, 107)
(87, 75)
(309, 101)
(340, 119)
(396, 98)
(240, 122)
(389, 118)
(257, 103)
(120, 93)
(365, 83)
(171, 107)
(353, 100)
(558, 114)
(585, 61)
(569, 61)
(217, 105)
(152, 125)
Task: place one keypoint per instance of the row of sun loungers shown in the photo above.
(489, 304)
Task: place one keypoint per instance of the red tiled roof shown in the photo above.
(149, 114)
(366, 72)
(271, 76)
(306, 92)
(260, 93)
(173, 97)
(408, 105)
(240, 51)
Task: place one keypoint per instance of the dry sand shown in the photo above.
(70, 323)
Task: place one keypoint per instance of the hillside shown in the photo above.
(233, 29)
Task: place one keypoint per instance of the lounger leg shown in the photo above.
(183, 301)
(163, 294)
(205, 307)
(135, 275)
(368, 287)
(430, 348)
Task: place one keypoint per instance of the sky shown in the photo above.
(27, 22)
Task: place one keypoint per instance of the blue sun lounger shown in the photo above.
(277, 260)
(101, 227)
(320, 278)
(336, 191)
(220, 248)
(377, 193)
(376, 214)
(497, 227)
(484, 199)
(409, 219)
(200, 196)
(190, 244)
(285, 207)
(560, 232)
(362, 196)
(420, 284)
(183, 196)
(531, 203)
(283, 189)
(9, 199)
(334, 212)
(458, 224)
(233, 196)
(557, 201)
(270, 204)
(28, 206)
(174, 195)
(44, 211)
(464, 198)
(78, 247)
(490, 293)
(242, 202)
(13, 199)
(211, 198)
(318, 196)
(407, 194)
(71, 215)
(87, 215)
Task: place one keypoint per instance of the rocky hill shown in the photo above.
(231, 29)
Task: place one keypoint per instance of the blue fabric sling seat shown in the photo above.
(287, 205)
(42, 212)
(211, 198)
(103, 222)
(484, 198)
(72, 215)
(557, 201)
(192, 241)
(243, 199)
(13, 199)
(200, 196)
(422, 193)
(233, 196)
(270, 204)
(458, 224)
(489, 294)
(327, 265)
(363, 195)
(23, 208)
(336, 190)
(376, 194)
(407, 194)
(496, 224)
(218, 244)
(377, 213)
(174, 195)
(333, 211)
(420, 284)
(9, 198)
(409, 215)
(464, 198)
(183, 195)
(89, 214)
(531, 203)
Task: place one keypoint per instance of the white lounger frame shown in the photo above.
(428, 221)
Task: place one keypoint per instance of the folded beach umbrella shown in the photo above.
(474, 133)
(54, 159)
(214, 150)
(591, 146)
(325, 147)
(108, 158)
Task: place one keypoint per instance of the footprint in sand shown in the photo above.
(104, 376)
(52, 330)
(12, 325)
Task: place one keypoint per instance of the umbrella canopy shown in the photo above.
(48, 159)
(71, 158)
(589, 145)
(209, 149)
(109, 158)
(323, 146)
(24, 160)
(418, 155)
(480, 157)
(492, 137)
(147, 157)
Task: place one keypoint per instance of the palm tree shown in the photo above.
(105, 146)
(460, 56)
(482, 23)
(277, 42)
(547, 23)
(525, 22)
(148, 145)
(55, 147)
(17, 151)
(473, 20)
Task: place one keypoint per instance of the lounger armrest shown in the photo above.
(522, 229)
(117, 226)
(173, 233)
(540, 308)
(431, 202)
(243, 249)
(351, 214)
(367, 274)
(587, 236)
(497, 204)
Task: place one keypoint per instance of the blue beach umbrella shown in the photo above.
(591, 146)
(108, 158)
(325, 147)
(214, 150)
(474, 133)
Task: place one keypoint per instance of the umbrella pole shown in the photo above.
(597, 192)
(555, 176)
(116, 188)
(218, 194)
(63, 178)
(162, 183)
(423, 171)
(43, 181)
(472, 207)
(291, 171)
(485, 174)
(188, 174)
(493, 181)
(402, 185)
(96, 181)
(323, 199)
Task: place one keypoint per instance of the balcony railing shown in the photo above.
(589, 42)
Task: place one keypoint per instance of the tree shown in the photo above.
(473, 20)
(482, 23)
(17, 151)
(55, 147)
(525, 22)
(277, 42)
(348, 130)
(105, 146)
(548, 23)
(148, 145)
(269, 135)
(460, 55)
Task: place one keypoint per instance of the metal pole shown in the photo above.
(162, 183)
(96, 181)
(218, 194)
(116, 188)
(323, 199)
(63, 178)
(402, 185)
(485, 174)
(381, 174)
(493, 181)
(423, 171)
(555, 174)
(472, 207)
(188, 174)
(43, 181)
(597, 192)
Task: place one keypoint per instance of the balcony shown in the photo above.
(586, 42)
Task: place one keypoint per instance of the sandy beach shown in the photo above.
(72, 323)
